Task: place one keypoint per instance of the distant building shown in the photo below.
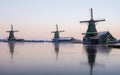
(64, 39)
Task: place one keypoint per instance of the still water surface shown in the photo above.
(58, 59)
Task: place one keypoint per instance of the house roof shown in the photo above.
(66, 38)
(100, 34)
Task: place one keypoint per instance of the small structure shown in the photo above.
(57, 37)
(12, 36)
(94, 37)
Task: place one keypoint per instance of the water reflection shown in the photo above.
(11, 48)
(91, 54)
(91, 51)
(41, 59)
(56, 48)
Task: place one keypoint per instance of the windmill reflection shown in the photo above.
(91, 54)
(11, 48)
(56, 48)
(91, 51)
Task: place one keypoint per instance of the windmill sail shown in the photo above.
(11, 33)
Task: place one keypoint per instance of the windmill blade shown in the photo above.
(11, 27)
(84, 21)
(57, 27)
(99, 20)
(16, 31)
(91, 13)
(62, 31)
(7, 31)
(53, 31)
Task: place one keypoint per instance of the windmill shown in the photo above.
(56, 34)
(11, 34)
(91, 31)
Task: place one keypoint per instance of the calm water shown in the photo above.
(58, 59)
